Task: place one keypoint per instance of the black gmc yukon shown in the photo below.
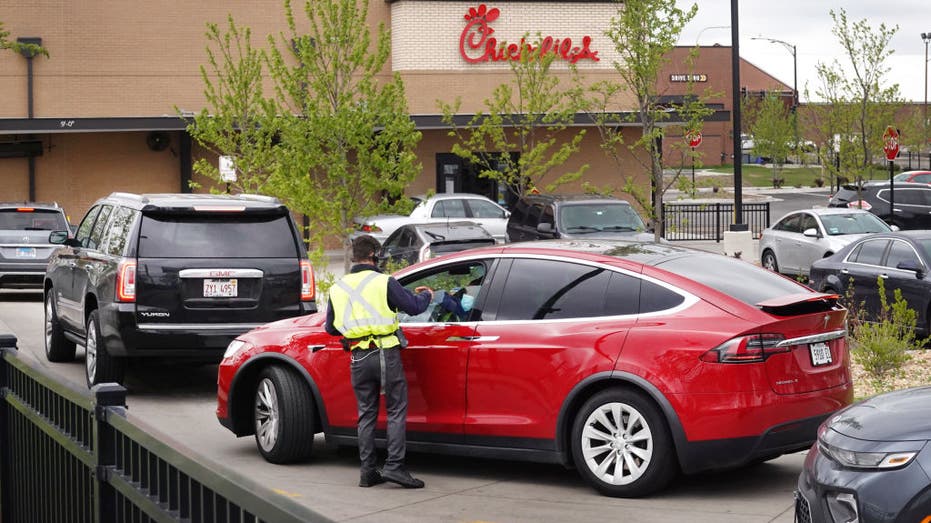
(173, 276)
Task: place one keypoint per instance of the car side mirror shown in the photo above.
(545, 228)
(62, 238)
(912, 265)
(812, 233)
(894, 227)
(507, 214)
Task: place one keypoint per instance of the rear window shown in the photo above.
(29, 219)
(739, 279)
(448, 247)
(216, 236)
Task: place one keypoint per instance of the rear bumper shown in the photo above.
(22, 275)
(125, 337)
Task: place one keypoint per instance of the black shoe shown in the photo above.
(402, 477)
(370, 479)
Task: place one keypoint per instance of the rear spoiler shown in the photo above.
(801, 303)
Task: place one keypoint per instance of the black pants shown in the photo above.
(366, 378)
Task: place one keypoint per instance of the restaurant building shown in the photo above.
(102, 112)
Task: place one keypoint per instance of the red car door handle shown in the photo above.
(472, 338)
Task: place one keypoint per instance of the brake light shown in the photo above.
(307, 281)
(220, 208)
(370, 228)
(753, 348)
(860, 204)
(25, 209)
(126, 281)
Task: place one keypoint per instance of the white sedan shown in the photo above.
(800, 238)
(441, 207)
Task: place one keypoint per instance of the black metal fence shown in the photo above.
(66, 456)
(708, 221)
(910, 161)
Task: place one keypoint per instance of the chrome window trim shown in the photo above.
(228, 273)
(813, 338)
(885, 267)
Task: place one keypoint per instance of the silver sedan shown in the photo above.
(801, 237)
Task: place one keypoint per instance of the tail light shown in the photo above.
(860, 204)
(126, 281)
(753, 348)
(426, 253)
(369, 228)
(307, 281)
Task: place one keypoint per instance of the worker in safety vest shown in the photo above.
(363, 308)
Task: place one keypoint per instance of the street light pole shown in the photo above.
(925, 37)
(791, 48)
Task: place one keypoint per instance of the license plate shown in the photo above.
(221, 288)
(820, 354)
(25, 252)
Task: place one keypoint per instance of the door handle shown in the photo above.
(472, 338)
(884, 276)
(844, 271)
(315, 348)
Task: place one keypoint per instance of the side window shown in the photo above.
(459, 286)
(87, 226)
(548, 216)
(922, 178)
(96, 237)
(406, 239)
(120, 229)
(622, 295)
(483, 209)
(807, 222)
(789, 224)
(870, 252)
(910, 197)
(655, 298)
(900, 252)
(533, 215)
(519, 213)
(547, 290)
(449, 209)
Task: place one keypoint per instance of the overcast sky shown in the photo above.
(807, 24)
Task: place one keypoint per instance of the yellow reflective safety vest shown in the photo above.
(361, 312)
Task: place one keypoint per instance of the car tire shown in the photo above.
(283, 413)
(622, 425)
(769, 261)
(99, 365)
(58, 348)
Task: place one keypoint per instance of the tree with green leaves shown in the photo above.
(643, 33)
(17, 47)
(335, 135)
(856, 92)
(773, 127)
(521, 138)
(238, 120)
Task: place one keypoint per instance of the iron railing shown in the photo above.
(708, 221)
(66, 456)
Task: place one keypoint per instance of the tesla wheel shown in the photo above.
(621, 445)
(99, 365)
(284, 416)
(57, 347)
(769, 261)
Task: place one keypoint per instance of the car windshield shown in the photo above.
(593, 217)
(853, 223)
(219, 236)
(29, 219)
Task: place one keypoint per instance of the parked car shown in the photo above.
(629, 360)
(912, 202)
(871, 462)
(901, 259)
(171, 276)
(799, 238)
(440, 208)
(24, 243)
(913, 176)
(589, 216)
(417, 242)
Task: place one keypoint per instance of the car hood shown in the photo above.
(638, 236)
(903, 415)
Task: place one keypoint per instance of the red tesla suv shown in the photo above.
(630, 361)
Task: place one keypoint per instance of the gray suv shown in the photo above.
(589, 216)
(24, 241)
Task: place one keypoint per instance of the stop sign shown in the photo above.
(891, 143)
(694, 138)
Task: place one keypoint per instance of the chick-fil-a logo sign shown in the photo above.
(476, 44)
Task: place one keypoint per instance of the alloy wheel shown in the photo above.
(90, 346)
(617, 443)
(49, 314)
(266, 414)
